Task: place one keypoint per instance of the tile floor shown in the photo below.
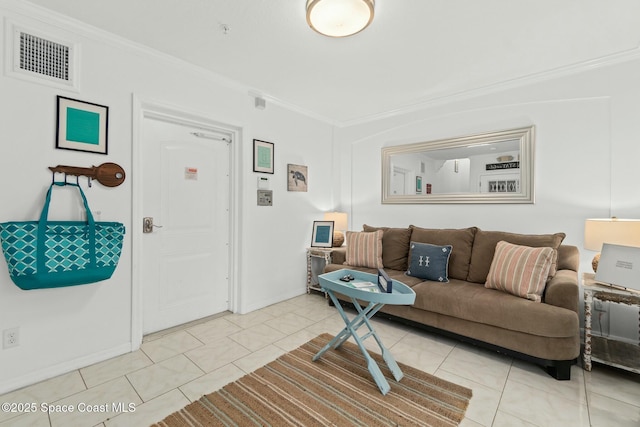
(177, 366)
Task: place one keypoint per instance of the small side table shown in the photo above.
(324, 256)
(607, 350)
(401, 295)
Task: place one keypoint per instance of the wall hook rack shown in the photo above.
(107, 174)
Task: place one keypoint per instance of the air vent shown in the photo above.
(43, 56)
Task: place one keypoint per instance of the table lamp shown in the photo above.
(339, 226)
(613, 230)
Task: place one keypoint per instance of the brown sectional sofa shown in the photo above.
(546, 333)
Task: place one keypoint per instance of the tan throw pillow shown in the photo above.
(364, 249)
(520, 270)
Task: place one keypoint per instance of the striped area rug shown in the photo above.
(336, 390)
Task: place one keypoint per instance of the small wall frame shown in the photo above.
(262, 156)
(82, 126)
(297, 178)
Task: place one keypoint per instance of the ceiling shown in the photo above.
(414, 52)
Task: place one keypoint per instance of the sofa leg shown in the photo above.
(560, 370)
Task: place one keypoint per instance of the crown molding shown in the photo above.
(292, 107)
(72, 25)
(448, 98)
(65, 23)
(60, 22)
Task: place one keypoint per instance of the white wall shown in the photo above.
(273, 256)
(586, 158)
(67, 328)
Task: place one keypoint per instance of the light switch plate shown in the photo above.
(263, 182)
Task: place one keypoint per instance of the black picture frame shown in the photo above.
(82, 126)
(263, 156)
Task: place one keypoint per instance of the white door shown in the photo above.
(399, 181)
(184, 263)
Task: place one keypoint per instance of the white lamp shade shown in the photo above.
(339, 220)
(339, 18)
(625, 232)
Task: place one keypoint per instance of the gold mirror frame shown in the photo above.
(524, 137)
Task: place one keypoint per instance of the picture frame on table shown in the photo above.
(82, 126)
(385, 284)
(322, 236)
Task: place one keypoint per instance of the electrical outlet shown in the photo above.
(10, 338)
(599, 305)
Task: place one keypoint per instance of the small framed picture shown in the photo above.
(82, 126)
(418, 185)
(297, 178)
(322, 236)
(262, 156)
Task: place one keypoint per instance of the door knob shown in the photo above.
(147, 224)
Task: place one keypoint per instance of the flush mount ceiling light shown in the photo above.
(339, 18)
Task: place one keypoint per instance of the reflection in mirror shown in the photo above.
(494, 167)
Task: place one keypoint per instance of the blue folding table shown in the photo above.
(401, 295)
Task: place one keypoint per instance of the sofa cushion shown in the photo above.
(460, 239)
(541, 346)
(430, 262)
(364, 249)
(520, 270)
(395, 246)
(485, 243)
(477, 304)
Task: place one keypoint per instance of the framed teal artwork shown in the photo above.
(82, 126)
(262, 156)
(322, 235)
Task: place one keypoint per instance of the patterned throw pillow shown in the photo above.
(430, 262)
(364, 249)
(520, 270)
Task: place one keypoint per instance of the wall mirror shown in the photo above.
(495, 167)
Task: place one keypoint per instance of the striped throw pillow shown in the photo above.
(364, 249)
(520, 270)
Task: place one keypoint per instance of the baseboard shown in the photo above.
(63, 368)
(273, 300)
